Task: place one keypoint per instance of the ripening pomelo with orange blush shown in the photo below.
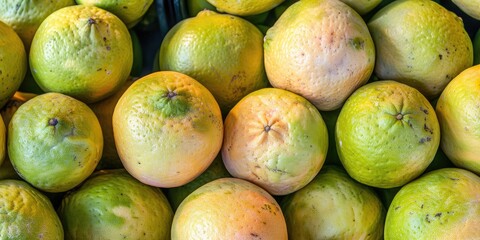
(276, 139)
(387, 134)
(459, 117)
(168, 128)
(229, 208)
(321, 50)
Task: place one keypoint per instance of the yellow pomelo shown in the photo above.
(442, 204)
(25, 16)
(421, 44)
(25, 213)
(459, 117)
(129, 11)
(387, 134)
(363, 6)
(223, 52)
(244, 7)
(229, 208)
(321, 50)
(104, 111)
(167, 128)
(470, 7)
(13, 63)
(275, 139)
(111, 204)
(81, 51)
(334, 206)
(54, 142)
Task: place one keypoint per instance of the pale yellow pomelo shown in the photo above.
(129, 11)
(25, 16)
(111, 204)
(421, 44)
(442, 204)
(387, 134)
(229, 208)
(459, 117)
(25, 213)
(168, 128)
(275, 139)
(244, 7)
(470, 7)
(223, 52)
(321, 50)
(362, 6)
(334, 206)
(54, 142)
(81, 51)
(104, 111)
(13, 63)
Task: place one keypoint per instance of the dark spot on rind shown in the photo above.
(440, 56)
(438, 214)
(52, 121)
(267, 128)
(91, 21)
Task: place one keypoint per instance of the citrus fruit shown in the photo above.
(476, 47)
(470, 7)
(216, 170)
(421, 44)
(364, 6)
(111, 204)
(275, 139)
(459, 118)
(229, 208)
(244, 7)
(130, 12)
(223, 52)
(54, 142)
(321, 50)
(442, 204)
(81, 51)
(104, 111)
(26, 16)
(387, 134)
(25, 213)
(3, 142)
(13, 63)
(168, 128)
(196, 6)
(334, 206)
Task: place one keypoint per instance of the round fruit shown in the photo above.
(459, 118)
(387, 134)
(25, 16)
(3, 142)
(244, 7)
(421, 44)
(276, 139)
(229, 208)
(130, 12)
(54, 142)
(216, 170)
(222, 52)
(25, 213)
(470, 7)
(321, 50)
(168, 128)
(334, 206)
(81, 51)
(13, 63)
(104, 111)
(363, 6)
(442, 204)
(111, 204)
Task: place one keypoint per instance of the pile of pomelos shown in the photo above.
(245, 119)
